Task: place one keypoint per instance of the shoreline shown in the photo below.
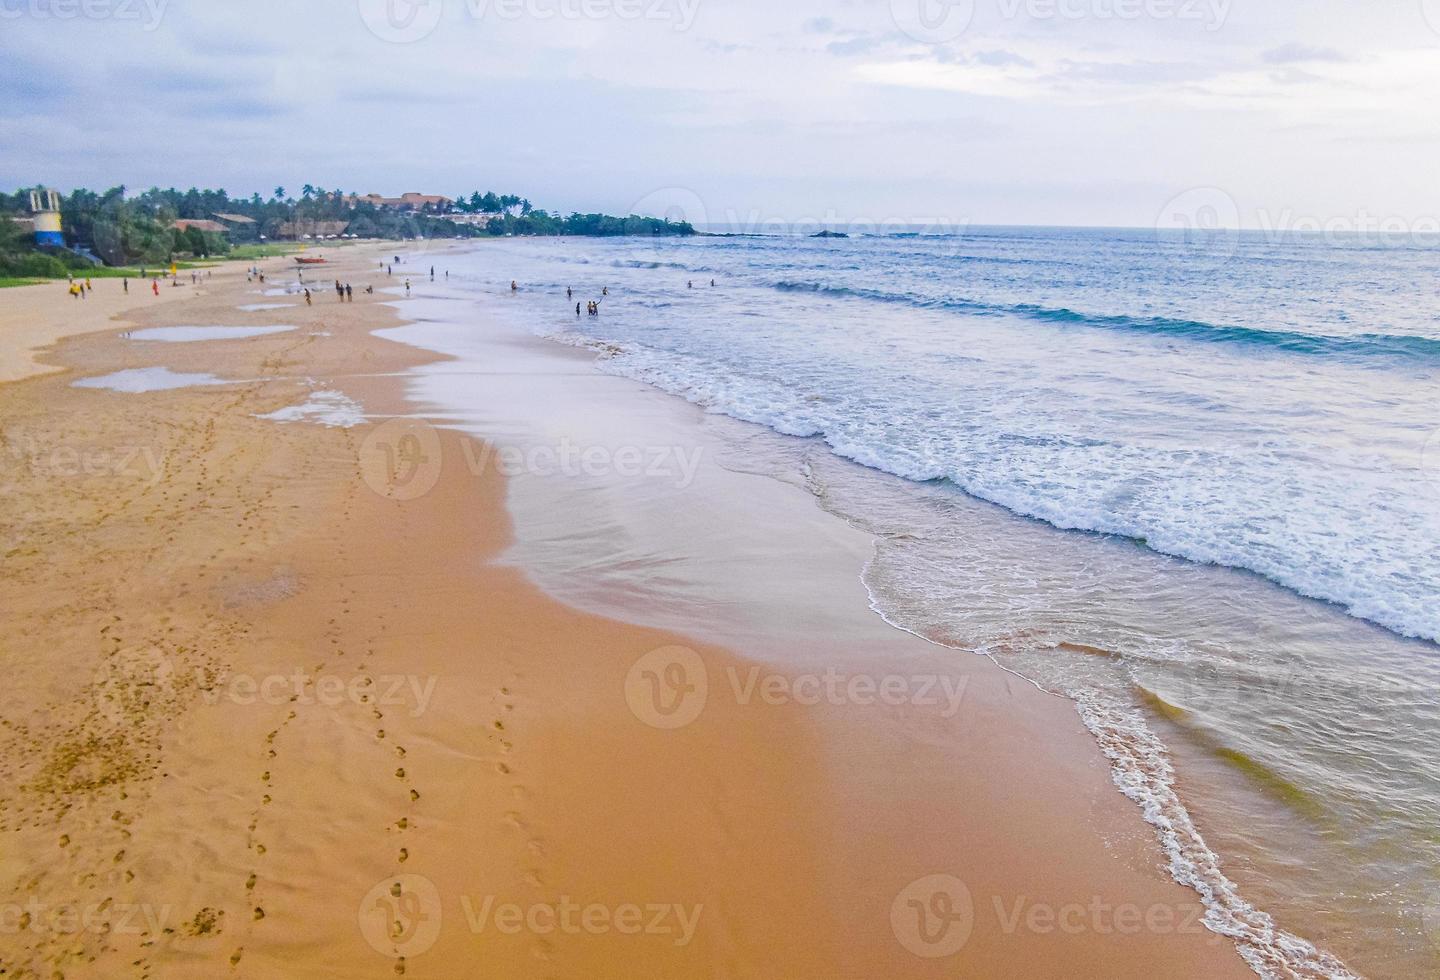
(258, 549)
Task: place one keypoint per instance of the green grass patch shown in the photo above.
(7, 281)
(266, 250)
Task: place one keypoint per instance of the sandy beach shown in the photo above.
(277, 706)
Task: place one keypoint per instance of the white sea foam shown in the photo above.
(323, 407)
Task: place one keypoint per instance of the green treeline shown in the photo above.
(124, 230)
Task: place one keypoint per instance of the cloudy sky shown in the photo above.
(1100, 112)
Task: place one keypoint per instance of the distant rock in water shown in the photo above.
(830, 234)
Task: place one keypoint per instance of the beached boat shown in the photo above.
(309, 261)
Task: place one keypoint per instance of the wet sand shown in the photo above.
(274, 707)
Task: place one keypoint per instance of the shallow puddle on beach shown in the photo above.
(139, 380)
(188, 334)
(262, 307)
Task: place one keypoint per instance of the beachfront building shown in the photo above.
(240, 227)
(200, 224)
(411, 201)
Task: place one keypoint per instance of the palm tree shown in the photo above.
(279, 193)
(525, 206)
(308, 191)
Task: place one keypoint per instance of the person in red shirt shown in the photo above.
(155, 286)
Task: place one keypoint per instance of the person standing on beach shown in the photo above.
(349, 293)
(513, 287)
(307, 298)
(407, 287)
(569, 294)
(125, 282)
(155, 286)
(605, 291)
